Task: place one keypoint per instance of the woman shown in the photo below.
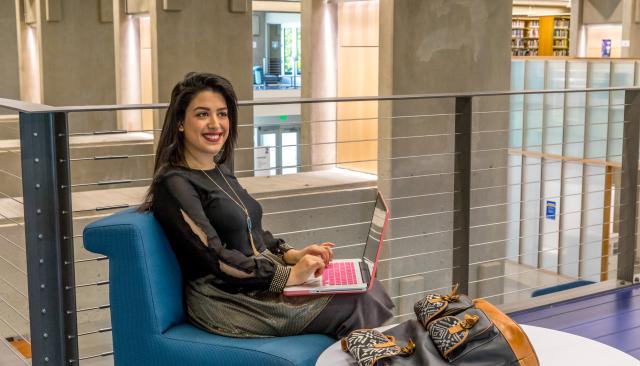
(234, 270)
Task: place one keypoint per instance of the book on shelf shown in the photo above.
(561, 43)
(517, 23)
(561, 23)
(524, 52)
(560, 33)
(517, 33)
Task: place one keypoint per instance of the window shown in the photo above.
(291, 50)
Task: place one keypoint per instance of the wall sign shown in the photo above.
(551, 210)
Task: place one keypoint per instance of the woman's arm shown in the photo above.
(291, 255)
(229, 265)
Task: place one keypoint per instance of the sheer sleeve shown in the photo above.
(229, 265)
(276, 245)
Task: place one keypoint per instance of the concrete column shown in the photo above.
(575, 26)
(10, 85)
(630, 29)
(208, 36)
(439, 46)
(260, 41)
(28, 51)
(77, 60)
(127, 58)
(319, 80)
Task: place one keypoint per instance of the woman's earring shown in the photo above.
(181, 128)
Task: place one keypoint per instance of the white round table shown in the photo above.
(554, 348)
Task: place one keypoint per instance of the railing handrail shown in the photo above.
(20, 106)
(27, 107)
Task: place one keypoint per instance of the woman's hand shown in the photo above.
(323, 251)
(307, 265)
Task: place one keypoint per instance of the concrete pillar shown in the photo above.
(574, 27)
(259, 41)
(630, 29)
(76, 53)
(127, 57)
(10, 85)
(75, 58)
(319, 80)
(209, 36)
(28, 51)
(439, 46)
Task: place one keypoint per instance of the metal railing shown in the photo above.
(468, 206)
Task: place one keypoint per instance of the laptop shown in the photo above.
(350, 275)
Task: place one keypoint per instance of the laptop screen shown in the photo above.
(375, 231)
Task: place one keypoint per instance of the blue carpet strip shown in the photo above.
(611, 317)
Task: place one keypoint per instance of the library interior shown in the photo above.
(504, 136)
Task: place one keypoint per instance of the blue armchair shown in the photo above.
(147, 313)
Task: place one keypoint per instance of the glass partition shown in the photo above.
(564, 157)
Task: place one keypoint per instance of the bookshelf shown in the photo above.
(524, 36)
(540, 36)
(561, 36)
(554, 36)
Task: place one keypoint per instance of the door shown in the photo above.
(281, 153)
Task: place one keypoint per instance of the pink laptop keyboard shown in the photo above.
(339, 273)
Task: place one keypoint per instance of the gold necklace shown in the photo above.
(240, 204)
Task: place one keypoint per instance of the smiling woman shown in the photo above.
(205, 128)
(234, 270)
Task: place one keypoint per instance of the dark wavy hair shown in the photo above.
(170, 151)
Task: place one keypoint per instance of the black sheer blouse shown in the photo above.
(209, 234)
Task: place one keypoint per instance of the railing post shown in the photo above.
(462, 195)
(629, 186)
(49, 238)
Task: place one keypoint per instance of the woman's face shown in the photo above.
(205, 126)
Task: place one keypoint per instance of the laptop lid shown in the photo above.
(373, 243)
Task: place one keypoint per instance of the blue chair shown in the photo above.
(147, 314)
(258, 75)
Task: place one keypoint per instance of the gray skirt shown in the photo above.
(253, 314)
(267, 314)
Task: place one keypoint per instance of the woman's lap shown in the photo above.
(347, 312)
(238, 315)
